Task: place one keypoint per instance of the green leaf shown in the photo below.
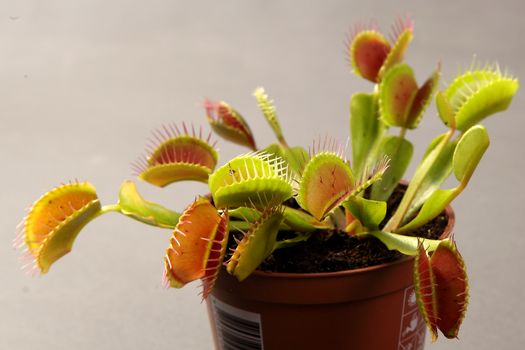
(257, 244)
(253, 179)
(467, 155)
(437, 172)
(399, 151)
(480, 93)
(407, 245)
(299, 221)
(327, 181)
(132, 204)
(369, 212)
(397, 92)
(366, 130)
(469, 151)
(431, 172)
(300, 237)
(432, 207)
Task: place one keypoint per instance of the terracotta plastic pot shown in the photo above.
(371, 308)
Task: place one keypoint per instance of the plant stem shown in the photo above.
(107, 209)
(110, 208)
(402, 133)
(283, 142)
(415, 184)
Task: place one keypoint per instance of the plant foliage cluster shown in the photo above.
(252, 193)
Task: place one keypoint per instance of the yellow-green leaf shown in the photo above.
(132, 204)
(469, 151)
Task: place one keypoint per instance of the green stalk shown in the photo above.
(234, 225)
(108, 209)
(402, 134)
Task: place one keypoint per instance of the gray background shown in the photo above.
(83, 82)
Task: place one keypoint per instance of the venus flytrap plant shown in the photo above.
(280, 196)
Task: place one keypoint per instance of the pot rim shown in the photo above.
(447, 232)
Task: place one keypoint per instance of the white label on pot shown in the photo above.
(413, 328)
(236, 329)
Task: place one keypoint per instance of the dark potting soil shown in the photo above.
(337, 251)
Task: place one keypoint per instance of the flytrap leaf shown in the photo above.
(197, 243)
(133, 205)
(368, 50)
(372, 55)
(253, 179)
(424, 285)
(449, 290)
(216, 255)
(423, 97)
(176, 155)
(54, 221)
(401, 101)
(257, 244)
(268, 109)
(327, 181)
(479, 93)
(366, 130)
(229, 123)
(469, 151)
(402, 34)
(397, 91)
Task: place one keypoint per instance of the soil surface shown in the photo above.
(337, 251)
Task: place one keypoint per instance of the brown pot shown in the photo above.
(371, 308)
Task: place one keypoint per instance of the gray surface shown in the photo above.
(83, 82)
